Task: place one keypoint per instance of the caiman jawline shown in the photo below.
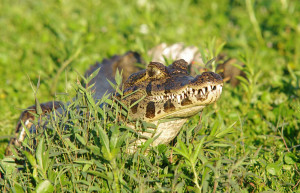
(199, 99)
(189, 92)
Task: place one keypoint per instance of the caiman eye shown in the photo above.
(153, 72)
(156, 70)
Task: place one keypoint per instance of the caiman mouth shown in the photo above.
(203, 94)
(186, 101)
(173, 95)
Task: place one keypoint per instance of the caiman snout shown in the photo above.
(207, 77)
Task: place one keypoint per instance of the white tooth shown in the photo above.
(178, 98)
(196, 92)
(203, 90)
(219, 88)
(182, 95)
(208, 88)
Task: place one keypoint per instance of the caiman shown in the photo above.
(166, 93)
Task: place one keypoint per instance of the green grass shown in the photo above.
(248, 142)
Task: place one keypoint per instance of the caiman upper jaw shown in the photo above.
(198, 92)
(207, 86)
(200, 87)
(207, 77)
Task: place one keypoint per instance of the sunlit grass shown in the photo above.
(248, 142)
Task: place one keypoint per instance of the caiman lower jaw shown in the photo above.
(184, 113)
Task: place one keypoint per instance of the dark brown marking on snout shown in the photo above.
(168, 106)
(186, 101)
(199, 98)
(135, 107)
(150, 110)
(167, 91)
(149, 89)
(159, 112)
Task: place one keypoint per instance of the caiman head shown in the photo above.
(169, 92)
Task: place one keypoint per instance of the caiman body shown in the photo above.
(167, 95)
